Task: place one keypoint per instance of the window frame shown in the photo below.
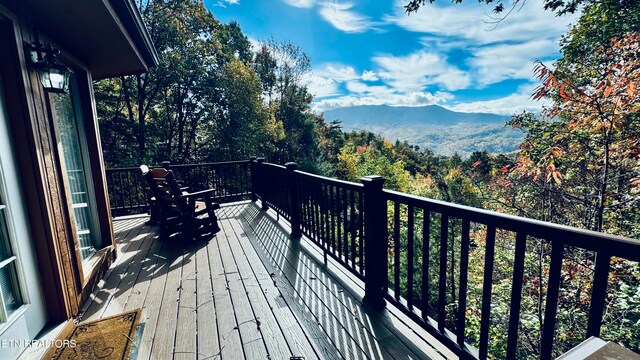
(87, 267)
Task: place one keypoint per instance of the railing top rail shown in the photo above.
(123, 168)
(274, 165)
(130, 168)
(613, 245)
(342, 183)
(211, 163)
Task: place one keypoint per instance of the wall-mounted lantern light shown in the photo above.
(53, 74)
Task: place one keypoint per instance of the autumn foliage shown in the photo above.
(590, 134)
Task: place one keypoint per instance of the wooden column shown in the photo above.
(294, 203)
(260, 183)
(252, 171)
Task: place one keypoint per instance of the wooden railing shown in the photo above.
(271, 183)
(402, 246)
(230, 180)
(410, 251)
(125, 194)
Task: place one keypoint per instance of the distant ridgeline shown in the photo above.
(432, 127)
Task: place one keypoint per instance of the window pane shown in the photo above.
(5, 251)
(76, 174)
(9, 287)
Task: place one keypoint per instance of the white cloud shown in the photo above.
(342, 18)
(325, 80)
(415, 71)
(460, 51)
(493, 64)
(369, 76)
(321, 87)
(224, 3)
(361, 93)
(416, 98)
(497, 51)
(255, 43)
(508, 105)
(337, 72)
(301, 3)
(471, 22)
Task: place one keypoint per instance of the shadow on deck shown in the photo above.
(250, 292)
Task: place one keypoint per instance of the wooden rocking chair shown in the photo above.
(191, 214)
(154, 206)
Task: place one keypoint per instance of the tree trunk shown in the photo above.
(603, 185)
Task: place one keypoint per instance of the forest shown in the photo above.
(215, 98)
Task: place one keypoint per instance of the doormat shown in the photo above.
(110, 338)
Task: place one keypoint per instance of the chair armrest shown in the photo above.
(202, 193)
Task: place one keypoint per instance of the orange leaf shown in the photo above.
(607, 91)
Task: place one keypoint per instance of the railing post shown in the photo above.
(294, 204)
(261, 187)
(252, 169)
(375, 241)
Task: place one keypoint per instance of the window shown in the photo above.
(75, 167)
(9, 290)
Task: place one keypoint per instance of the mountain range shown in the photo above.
(432, 127)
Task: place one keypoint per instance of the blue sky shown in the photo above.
(371, 52)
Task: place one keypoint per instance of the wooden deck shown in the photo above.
(249, 293)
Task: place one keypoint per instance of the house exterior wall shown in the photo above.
(36, 145)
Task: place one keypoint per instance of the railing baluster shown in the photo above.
(345, 230)
(551, 307)
(323, 213)
(317, 214)
(303, 205)
(340, 221)
(109, 180)
(309, 197)
(327, 221)
(426, 225)
(516, 294)
(129, 192)
(598, 293)
(318, 210)
(410, 257)
(237, 184)
(442, 278)
(227, 181)
(122, 191)
(353, 226)
(486, 290)
(332, 193)
(464, 276)
(219, 178)
(239, 181)
(304, 193)
(396, 250)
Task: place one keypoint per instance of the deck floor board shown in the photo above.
(250, 292)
